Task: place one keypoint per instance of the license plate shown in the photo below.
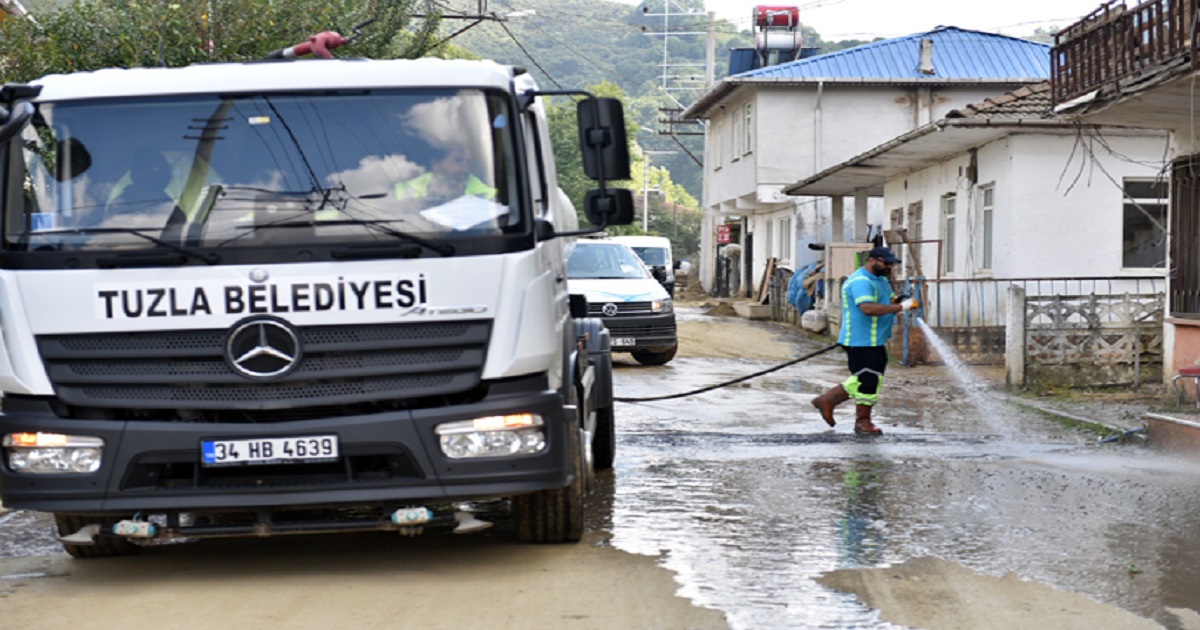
(289, 450)
(624, 341)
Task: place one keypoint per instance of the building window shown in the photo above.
(1143, 242)
(987, 198)
(719, 136)
(949, 223)
(913, 236)
(749, 127)
(737, 137)
(770, 238)
(785, 239)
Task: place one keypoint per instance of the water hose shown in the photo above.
(736, 380)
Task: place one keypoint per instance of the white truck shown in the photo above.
(226, 312)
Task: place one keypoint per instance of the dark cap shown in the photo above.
(884, 254)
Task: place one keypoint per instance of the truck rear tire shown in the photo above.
(554, 516)
(103, 546)
(655, 358)
(604, 442)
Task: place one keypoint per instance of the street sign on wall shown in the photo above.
(723, 233)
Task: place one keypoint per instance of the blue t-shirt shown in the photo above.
(859, 329)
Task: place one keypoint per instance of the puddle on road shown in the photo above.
(751, 498)
(27, 534)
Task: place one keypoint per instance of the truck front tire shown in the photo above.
(604, 441)
(556, 515)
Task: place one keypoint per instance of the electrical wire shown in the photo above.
(530, 56)
(734, 381)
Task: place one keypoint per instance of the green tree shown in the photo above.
(92, 34)
(671, 208)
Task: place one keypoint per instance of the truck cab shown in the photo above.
(296, 296)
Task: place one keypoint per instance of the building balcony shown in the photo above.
(1120, 49)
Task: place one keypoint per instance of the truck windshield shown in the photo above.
(266, 169)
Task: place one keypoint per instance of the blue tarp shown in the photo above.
(796, 295)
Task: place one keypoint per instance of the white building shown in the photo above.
(1005, 190)
(771, 127)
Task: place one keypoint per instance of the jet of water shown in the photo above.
(990, 409)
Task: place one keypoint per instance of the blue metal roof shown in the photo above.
(957, 54)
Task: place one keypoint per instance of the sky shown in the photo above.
(867, 19)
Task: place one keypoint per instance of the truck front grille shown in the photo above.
(341, 365)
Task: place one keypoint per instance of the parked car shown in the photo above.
(621, 291)
(655, 251)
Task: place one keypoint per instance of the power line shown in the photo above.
(530, 56)
(604, 68)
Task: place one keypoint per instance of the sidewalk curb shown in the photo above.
(1104, 426)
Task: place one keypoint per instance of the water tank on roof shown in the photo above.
(777, 40)
(742, 60)
(776, 16)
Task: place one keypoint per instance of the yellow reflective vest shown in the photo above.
(418, 188)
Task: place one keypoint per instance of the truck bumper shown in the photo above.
(384, 457)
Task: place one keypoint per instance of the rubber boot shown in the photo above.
(862, 422)
(827, 401)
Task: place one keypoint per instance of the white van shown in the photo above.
(655, 251)
(636, 310)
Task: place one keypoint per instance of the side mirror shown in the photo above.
(659, 272)
(678, 265)
(15, 120)
(602, 138)
(611, 206)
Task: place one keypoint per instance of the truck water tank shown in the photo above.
(776, 16)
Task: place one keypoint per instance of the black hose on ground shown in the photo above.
(736, 380)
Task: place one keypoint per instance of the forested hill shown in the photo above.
(583, 42)
(572, 44)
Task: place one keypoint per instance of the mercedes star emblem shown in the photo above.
(262, 348)
(609, 309)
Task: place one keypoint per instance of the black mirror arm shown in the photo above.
(16, 119)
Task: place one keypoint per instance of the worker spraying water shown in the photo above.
(869, 307)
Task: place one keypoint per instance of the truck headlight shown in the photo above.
(493, 436)
(662, 306)
(52, 453)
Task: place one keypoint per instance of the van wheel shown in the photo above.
(556, 515)
(655, 358)
(103, 546)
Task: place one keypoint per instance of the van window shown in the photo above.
(652, 256)
(604, 261)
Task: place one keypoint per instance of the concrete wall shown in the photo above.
(1055, 215)
(1071, 220)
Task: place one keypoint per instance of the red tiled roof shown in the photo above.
(1030, 101)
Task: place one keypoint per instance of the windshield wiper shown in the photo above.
(378, 225)
(209, 258)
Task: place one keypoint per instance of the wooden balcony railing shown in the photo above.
(1118, 42)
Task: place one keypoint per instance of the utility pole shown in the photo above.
(710, 55)
(673, 82)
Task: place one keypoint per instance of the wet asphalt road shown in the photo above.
(750, 496)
